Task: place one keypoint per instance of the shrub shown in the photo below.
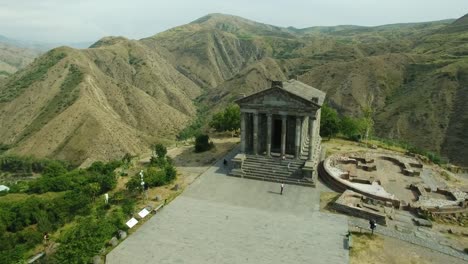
(154, 177)
(202, 143)
(171, 174)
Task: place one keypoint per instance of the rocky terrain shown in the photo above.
(120, 95)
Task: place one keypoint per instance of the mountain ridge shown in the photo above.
(145, 88)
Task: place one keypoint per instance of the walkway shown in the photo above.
(221, 219)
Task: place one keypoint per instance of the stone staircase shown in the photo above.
(275, 170)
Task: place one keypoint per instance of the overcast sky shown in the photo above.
(89, 20)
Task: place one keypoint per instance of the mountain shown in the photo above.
(121, 95)
(13, 58)
(98, 103)
(42, 46)
(17, 54)
(411, 74)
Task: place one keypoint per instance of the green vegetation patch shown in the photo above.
(27, 77)
(5, 73)
(62, 195)
(160, 172)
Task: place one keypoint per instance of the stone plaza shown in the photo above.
(221, 219)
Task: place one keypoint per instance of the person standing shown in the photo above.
(46, 238)
(282, 188)
(373, 225)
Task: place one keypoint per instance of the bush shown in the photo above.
(85, 240)
(171, 174)
(202, 143)
(154, 177)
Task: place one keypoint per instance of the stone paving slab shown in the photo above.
(192, 231)
(223, 219)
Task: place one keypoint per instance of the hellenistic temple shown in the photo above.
(280, 138)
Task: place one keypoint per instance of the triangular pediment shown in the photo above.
(275, 98)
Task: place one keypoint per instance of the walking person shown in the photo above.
(373, 225)
(46, 239)
(282, 188)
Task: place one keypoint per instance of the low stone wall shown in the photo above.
(364, 166)
(342, 206)
(334, 175)
(406, 168)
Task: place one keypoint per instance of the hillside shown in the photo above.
(98, 103)
(13, 58)
(120, 95)
(411, 74)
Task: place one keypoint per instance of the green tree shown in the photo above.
(160, 150)
(368, 113)
(227, 120)
(352, 128)
(329, 122)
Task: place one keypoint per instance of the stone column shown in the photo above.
(243, 136)
(283, 135)
(255, 133)
(311, 137)
(268, 140)
(298, 137)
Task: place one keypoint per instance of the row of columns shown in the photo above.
(311, 134)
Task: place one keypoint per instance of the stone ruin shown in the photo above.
(407, 168)
(447, 200)
(359, 205)
(365, 198)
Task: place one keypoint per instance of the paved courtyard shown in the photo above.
(222, 219)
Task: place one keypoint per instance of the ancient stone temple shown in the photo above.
(280, 138)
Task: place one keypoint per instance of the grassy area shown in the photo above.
(327, 199)
(362, 244)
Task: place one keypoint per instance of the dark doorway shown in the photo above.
(276, 136)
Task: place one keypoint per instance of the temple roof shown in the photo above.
(303, 90)
(306, 94)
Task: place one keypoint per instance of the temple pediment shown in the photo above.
(276, 98)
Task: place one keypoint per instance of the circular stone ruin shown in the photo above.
(389, 180)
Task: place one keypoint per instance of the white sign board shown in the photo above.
(143, 213)
(132, 222)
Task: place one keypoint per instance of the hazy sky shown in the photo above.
(89, 20)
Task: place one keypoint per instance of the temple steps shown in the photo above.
(274, 170)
